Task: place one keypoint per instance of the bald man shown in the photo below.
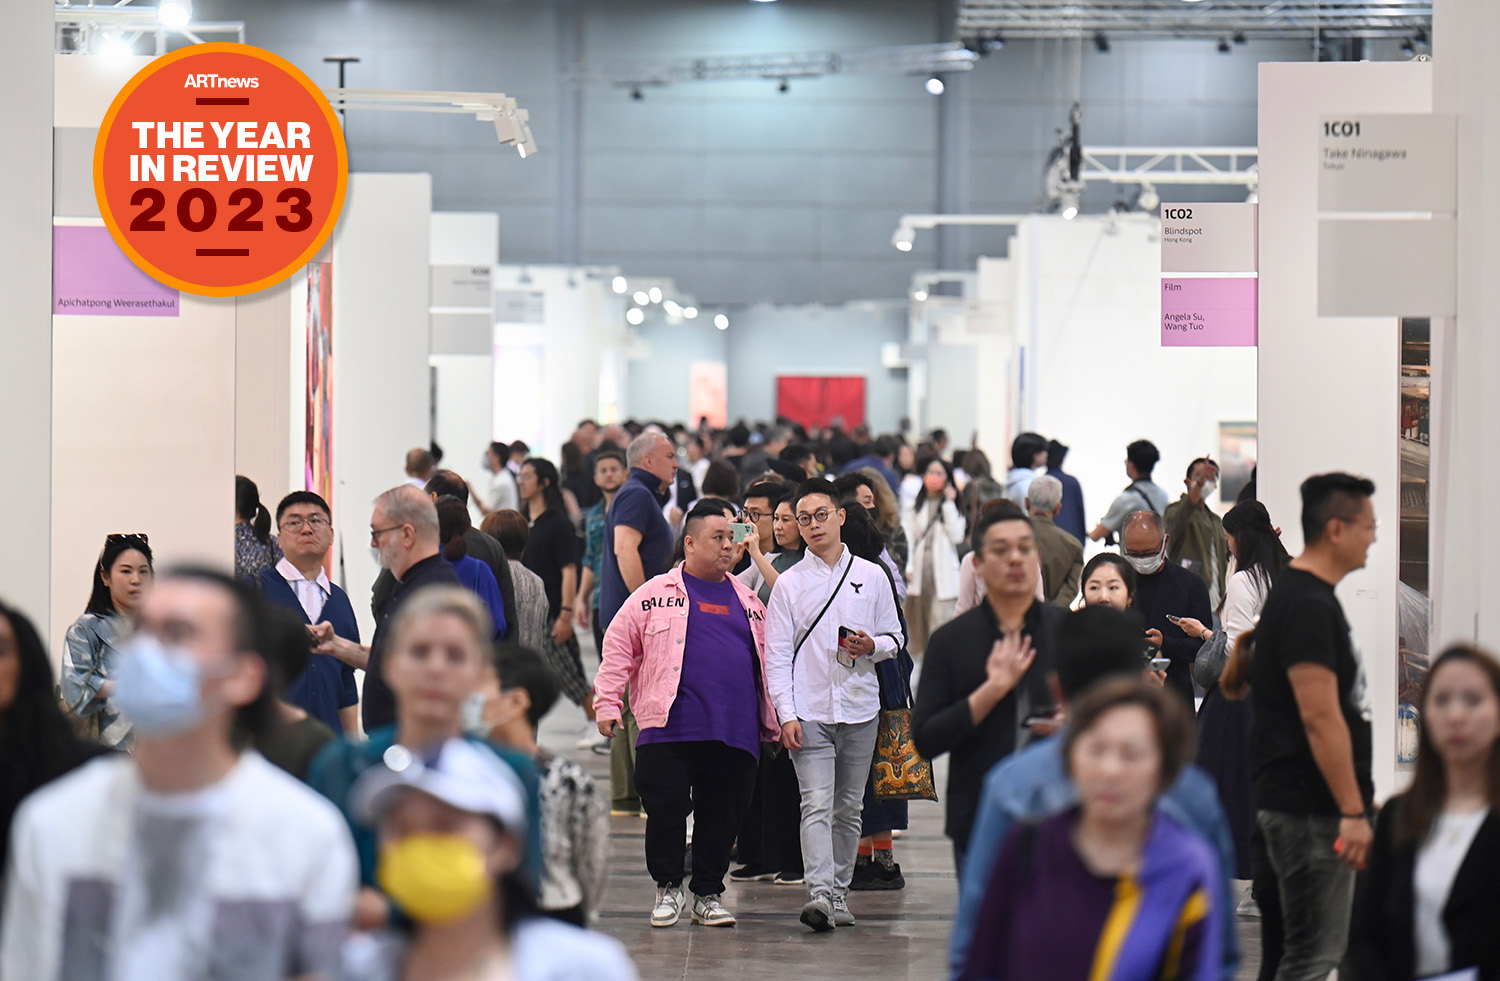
(1165, 592)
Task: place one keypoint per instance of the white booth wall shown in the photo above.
(1085, 305)
(1330, 385)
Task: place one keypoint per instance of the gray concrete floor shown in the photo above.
(901, 934)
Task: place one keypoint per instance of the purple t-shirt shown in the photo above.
(717, 698)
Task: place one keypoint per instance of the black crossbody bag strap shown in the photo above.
(819, 618)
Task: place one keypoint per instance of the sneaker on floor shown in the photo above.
(789, 879)
(864, 874)
(668, 908)
(708, 911)
(594, 741)
(625, 812)
(841, 915)
(751, 873)
(884, 876)
(600, 748)
(818, 914)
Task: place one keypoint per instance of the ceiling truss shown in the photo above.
(1238, 19)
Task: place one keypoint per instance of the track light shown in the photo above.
(1421, 35)
(919, 295)
(1101, 43)
(641, 298)
(1148, 199)
(174, 14)
(721, 321)
(655, 294)
(634, 316)
(1067, 204)
(1239, 38)
(673, 310)
(1408, 48)
(904, 237)
(618, 284)
(635, 93)
(114, 47)
(690, 313)
(1223, 46)
(935, 86)
(784, 87)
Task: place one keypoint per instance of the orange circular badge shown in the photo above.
(220, 169)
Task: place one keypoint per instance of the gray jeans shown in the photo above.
(832, 767)
(1317, 892)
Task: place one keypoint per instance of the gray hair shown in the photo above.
(451, 600)
(1045, 494)
(642, 445)
(405, 505)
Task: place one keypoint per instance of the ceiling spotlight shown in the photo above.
(784, 87)
(904, 238)
(721, 321)
(935, 86)
(634, 316)
(1148, 199)
(919, 295)
(673, 310)
(641, 298)
(1239, 38)
(995, 43)
(1408, 48)
(1067, 204)
(174, 14)
(635, 93)
(1101, 43)
(618, 284)
(115, 48)
(1421, 35)
(1223, 46)
(655, 294)
(691, 313)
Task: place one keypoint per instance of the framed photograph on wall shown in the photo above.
(1237, 453)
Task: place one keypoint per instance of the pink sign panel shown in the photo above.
(91, 276)
(1209, 312)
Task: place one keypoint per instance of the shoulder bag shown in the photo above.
(901, 773)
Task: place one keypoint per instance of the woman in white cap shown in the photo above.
(453, 829)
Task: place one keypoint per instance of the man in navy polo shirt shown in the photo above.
(298, 582)
(637, 548)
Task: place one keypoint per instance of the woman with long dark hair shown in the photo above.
(935, 529)
(1258, 559)
(121, 577)
(255, 548)
(1428, 903)
(552, 553)
(37, 744)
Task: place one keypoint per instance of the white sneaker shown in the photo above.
(668, 908)
(841, 915)
(818, 914)
(708, 911)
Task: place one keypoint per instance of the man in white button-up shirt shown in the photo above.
(832, 616)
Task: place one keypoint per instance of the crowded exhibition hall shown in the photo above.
(629, 490)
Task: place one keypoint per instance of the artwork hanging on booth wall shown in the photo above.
(1237, 452)
(819, 401)
(1413, 590)
(319, 455)
(708, 393)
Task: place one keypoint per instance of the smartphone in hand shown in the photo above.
(1160, 663)
(739, 531)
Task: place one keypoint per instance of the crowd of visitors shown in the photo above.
(224, 780)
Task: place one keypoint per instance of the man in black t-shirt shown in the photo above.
(1311, 736)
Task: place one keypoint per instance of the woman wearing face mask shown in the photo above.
(857, 490)
(887, 515)
(121, 577)
(454, 826)
(36, 743)
(1428, 903)
(438, 661)
(1137, 886)
(935, 529)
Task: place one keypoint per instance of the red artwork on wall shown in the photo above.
(817, 401)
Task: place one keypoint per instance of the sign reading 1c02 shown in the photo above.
(220, 169)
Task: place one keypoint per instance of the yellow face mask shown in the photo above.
(434, 878)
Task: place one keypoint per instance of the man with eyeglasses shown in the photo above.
(982, 686)
(832, 616)
(404, 533)
(326, 690)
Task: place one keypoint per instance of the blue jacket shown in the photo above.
(1072, 519)
(1031, 785)
(328, 683)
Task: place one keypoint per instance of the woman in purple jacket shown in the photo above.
(1138, 887)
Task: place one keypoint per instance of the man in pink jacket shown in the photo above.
(690, 643)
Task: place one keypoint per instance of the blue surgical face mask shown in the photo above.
(158, 689)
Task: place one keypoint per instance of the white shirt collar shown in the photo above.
(290, 574)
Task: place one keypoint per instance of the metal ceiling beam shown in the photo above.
(1260, 19)
(900, 60)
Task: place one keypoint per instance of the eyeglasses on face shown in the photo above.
(316, 522)
(375, 533)
(821, 515)
(751, 514)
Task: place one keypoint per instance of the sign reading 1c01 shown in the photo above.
(220, 169)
